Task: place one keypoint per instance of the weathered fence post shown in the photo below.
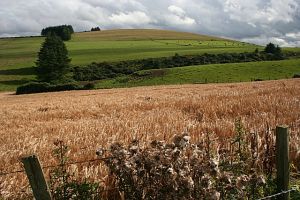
(282, 160)
(36, 178)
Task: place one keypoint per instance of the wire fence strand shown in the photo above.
(278, 194)
(53, 166)
(3, 173)
(12, 172)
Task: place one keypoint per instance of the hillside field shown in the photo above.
(87, 120)
(215, 73)
(17, 55)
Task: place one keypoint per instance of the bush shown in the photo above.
(258, 79)
(296, 75)
(99, 71)
(33, 87)
(65, 87)
(180, 170)
(89, 86)
(39, 87)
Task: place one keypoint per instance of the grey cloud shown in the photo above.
(258, 21)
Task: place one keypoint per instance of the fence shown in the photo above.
(40, 189)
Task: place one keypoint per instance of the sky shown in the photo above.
(255, 21)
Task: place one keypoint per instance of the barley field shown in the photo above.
(87, 120)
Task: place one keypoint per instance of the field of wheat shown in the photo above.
(87, 120)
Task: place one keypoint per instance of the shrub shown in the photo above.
(89, 86)
(180, 170)
(258, 79)
(66, 87)
(296, 75)
(39, 87)
(33, 87)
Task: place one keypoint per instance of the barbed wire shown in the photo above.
(106, 158)
(53, 166)
(79, 162)
(12, 172)
(278, 194)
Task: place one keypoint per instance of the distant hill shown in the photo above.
(143, 34)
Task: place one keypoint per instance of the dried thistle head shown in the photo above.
(100, 152)
(181, 141)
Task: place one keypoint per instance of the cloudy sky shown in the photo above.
(257, 21)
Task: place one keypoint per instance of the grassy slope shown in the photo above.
(117, 45)
(237, 72)
(17, 55)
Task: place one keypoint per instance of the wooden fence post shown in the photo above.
(282, 160)
(36, 178)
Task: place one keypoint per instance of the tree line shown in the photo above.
(104, 70)
(96, 29)
(62, 31)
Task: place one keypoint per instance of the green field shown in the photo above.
(217, 73)
(18, 55)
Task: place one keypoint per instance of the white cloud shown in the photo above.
(281, 41)
(258, 11)
(176, 10)
(293, 35)
(130, 18)
(238, 19)
(177, 20)
(178, 16)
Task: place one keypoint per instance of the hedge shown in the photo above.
(39, 87)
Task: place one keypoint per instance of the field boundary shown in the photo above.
(34, 169)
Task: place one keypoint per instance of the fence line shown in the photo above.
(12, 172)
(278, 194)
(53, 166)
(106, 158)
(281, 152)
(79, 162)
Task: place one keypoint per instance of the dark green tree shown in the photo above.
(274, 51)
(63, 31)
(278, 50)
(53, 63)
(65, 34)
(270, 48)
(96, 29)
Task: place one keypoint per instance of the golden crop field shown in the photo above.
(86, 120)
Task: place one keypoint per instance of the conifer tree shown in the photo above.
(53, 63)
(270, 48)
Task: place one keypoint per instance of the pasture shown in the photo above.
(216, 73)
(87, 120)
(18, 55)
